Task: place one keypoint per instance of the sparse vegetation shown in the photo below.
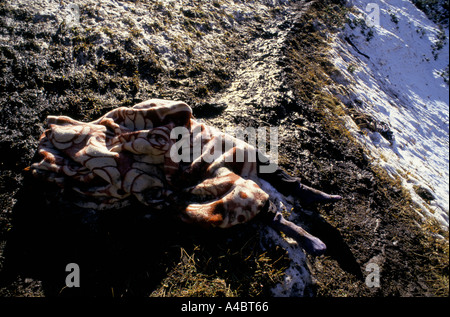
(95, 69)
(394, 17)
(421, 32)
(352, 68)
(444, 74)
(394, 204)
(436, 10)
(83, 74)
(440, 42)
(358, 23)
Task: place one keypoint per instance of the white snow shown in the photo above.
(401, 85)
(297, 278)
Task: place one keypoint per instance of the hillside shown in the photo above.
(247, 63)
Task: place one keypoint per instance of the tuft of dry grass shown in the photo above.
(187, 280)
(225, 265)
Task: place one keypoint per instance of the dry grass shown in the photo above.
(424, 252)
(225, 265)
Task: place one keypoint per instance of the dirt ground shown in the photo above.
(127, 253)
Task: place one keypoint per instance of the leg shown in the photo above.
(288, 185)
(308, 195)
(311, 244)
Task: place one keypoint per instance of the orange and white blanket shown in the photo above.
(158, 153)
(131, 152)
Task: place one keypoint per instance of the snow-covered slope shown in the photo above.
(395, 69)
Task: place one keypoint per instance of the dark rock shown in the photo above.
(424, 193)
(208, 110)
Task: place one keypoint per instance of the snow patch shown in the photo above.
(401, 85)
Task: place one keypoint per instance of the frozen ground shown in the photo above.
(178, 33)
(399, 85)
(398, 80)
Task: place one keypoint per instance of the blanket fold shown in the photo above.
(135, 152)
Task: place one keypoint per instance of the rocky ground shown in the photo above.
(258, 63)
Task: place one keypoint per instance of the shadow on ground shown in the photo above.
(114, 249)
(337, 248)
(127, 253)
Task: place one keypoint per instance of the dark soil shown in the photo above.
(129, 253)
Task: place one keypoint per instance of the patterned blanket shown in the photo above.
(130, 152)
(158, 153)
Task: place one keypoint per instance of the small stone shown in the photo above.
(424, 193)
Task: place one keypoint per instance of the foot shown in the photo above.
(308, 195)
(308, 242)
(312, 245)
